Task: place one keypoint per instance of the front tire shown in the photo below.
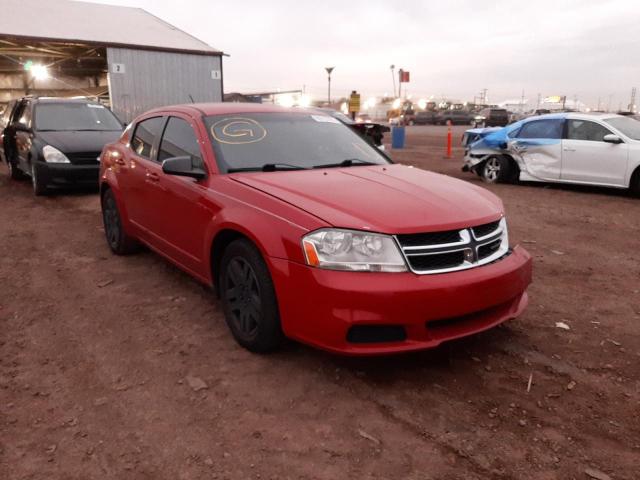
(249, 298)
(39, 188)
(497, 169)
(14, 172)
(119, 242)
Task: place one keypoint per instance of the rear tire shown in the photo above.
(119, 242)
(249, 299)
(634, 184)
(497, 169)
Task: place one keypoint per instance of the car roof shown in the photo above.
(574, 115)
(227, 108)
(59, 100)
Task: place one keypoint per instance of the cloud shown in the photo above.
(456, 48)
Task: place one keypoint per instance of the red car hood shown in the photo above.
(386, 199)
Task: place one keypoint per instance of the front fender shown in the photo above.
(274, 236)
(109, 179)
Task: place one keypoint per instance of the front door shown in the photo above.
(587, 158)
(538, 144)
(23, 139)
(183, 210)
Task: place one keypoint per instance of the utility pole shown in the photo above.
(393, 77)
(610, 99)
(539, 100)
(329, 70)
(483, 95)
(632, 102)
(599, 107)
(522, 102)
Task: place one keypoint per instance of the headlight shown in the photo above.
(53, 155)
(337, 249)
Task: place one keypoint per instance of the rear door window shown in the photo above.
(551, 128)
(145, 135)
(586, 130)
(179, 140)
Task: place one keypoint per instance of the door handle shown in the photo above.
(152, 177)
(569, 149)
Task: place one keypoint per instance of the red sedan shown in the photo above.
(307, 231)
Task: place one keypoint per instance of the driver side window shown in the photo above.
(180, 140)
(23, 114)
(550, 128)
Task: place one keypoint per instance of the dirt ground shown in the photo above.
(122, 367)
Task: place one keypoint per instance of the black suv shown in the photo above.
(456, 117)
(425, 118)
(492, 117)
(56, 141)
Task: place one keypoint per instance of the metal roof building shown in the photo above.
(126, 56)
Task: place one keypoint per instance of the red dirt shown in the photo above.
(97, 354)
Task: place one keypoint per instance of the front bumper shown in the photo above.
(67, 174)
(320, 307)
(471, 161)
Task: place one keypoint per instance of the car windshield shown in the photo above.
(75, 116)
(272, 141)
(343, 118)
(628, 126)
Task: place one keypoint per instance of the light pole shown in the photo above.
(329, 70)
(393, 77)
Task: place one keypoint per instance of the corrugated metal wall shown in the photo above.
(149, 79)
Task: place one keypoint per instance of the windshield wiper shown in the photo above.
(268, 167)
(346, 163)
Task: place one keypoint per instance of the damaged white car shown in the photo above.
(590, 149)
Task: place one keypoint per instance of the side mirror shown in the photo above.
(21, 127)
(183, 167)
(611, 138)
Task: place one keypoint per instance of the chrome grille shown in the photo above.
(452, 250)
(431, 238)
(83, 158)
(486, 229)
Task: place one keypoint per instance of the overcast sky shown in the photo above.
(583, 48)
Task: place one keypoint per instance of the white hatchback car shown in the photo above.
(582, 148)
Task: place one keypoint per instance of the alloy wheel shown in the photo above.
(242, 293)
(492, 169)
(111, 220)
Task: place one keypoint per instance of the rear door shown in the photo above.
(134, 173)
(538, 145)
(587, 158)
